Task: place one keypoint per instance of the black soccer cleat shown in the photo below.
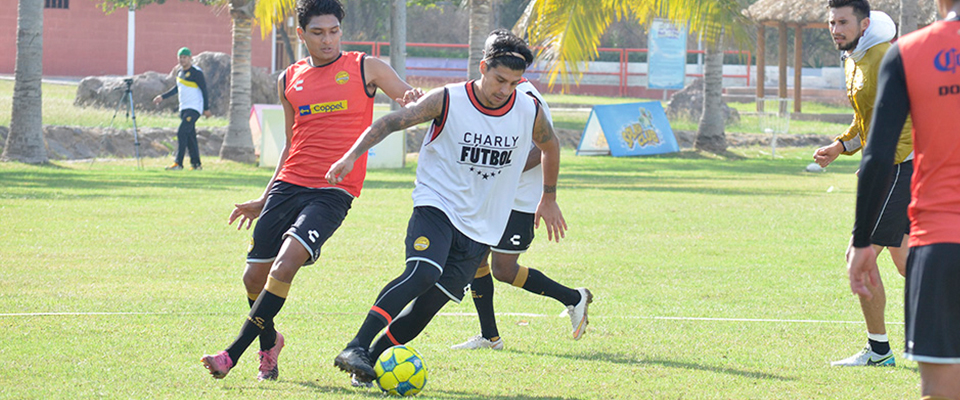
(356, 360)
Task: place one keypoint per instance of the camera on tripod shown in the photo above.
(127, 100)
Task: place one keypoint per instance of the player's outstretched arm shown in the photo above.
(428, 108)
(381, 75)
(548, 209)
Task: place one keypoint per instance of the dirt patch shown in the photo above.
(78, 143)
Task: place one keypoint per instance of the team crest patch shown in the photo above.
(342, 77)
(189, 119)
(186, 74)
(421, 244)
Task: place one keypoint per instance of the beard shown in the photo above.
(849, 46)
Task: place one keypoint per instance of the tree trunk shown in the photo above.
(398, 41)
(25, 142)
(238, 142)
(909, 16)
(479, 30)
(710, 134)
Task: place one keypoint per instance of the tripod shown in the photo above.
(132, 114)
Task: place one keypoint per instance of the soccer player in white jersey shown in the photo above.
(516, 240)
(470, 163)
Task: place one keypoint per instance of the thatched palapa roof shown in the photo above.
(814, 12)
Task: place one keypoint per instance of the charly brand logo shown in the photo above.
(947, 60)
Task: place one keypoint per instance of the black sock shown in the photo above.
(879, 347)
(264, 309)
(536, 282)
(482, 290)
(268, 338)
(417, 278)
(410, 323)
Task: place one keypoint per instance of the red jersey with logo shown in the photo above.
(931, 64)
(331, 109)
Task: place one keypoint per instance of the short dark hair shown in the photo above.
(861, 8)
(502, 47)
(307, 9)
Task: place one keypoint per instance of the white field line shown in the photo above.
(470, 315)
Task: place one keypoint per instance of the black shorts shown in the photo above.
(431, 238)
(310, 216)
(518, 235)
(894, 221)
(932, 304)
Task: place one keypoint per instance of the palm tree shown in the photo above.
(570, 30)
(25, 142)
(238, 142)
(480, 11)
(710, 133)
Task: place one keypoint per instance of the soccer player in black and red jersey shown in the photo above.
(920, 75)
(328, 102)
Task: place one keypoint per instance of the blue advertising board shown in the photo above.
(630, 129)
(667, 57)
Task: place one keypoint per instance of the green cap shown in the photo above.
(183, 52)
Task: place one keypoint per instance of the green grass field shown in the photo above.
(713, 278)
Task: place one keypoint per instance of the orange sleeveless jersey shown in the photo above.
(931, 64)
(331, 109)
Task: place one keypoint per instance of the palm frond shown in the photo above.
(270, 13)
(569, 32)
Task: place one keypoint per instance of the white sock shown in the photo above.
(877, 337)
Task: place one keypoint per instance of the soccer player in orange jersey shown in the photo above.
(920, 75)
(328, 102)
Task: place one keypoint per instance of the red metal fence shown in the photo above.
(623, 55)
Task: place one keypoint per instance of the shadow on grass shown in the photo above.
(48, 181)
(690, 160)
(344, 391)
(620, 359)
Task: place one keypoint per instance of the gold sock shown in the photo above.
(279, 289)
(521, 278)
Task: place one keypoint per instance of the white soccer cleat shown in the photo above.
(479, 342)
(578, 313)
(867, 358)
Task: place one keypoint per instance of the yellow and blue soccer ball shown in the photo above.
(400, 371)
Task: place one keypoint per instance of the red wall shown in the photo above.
(82, 41)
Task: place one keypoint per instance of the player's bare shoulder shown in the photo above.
(542, 129)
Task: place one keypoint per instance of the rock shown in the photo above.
(79, 143)
(106, 91)
(688, 104)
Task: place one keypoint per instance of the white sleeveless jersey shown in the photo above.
(531, 181)
(471, 160)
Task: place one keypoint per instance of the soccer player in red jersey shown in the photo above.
(328, 102)
(920, 75)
